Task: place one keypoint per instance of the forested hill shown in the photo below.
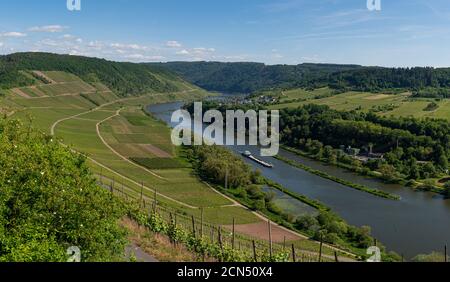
(377, 78)
(250, 77)
(126, 79)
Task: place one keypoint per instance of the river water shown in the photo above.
(418, 223)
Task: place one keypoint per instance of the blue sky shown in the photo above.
(403, 33)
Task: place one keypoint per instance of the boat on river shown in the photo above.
(249, 155)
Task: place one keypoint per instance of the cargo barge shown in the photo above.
(249, 155)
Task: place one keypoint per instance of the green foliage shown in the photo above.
(431, 107)
(318, 130)
(49, 201)
(429, 92)
(251, 77)
(433, 257)
(127, 79)
(330, 228)
(215, 163)
(201, 246)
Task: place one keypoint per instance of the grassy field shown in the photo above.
(385, 104)
(126, 132)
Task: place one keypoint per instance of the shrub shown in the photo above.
(49, 201)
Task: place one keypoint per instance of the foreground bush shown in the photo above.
(49, 201)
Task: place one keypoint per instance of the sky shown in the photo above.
(404, 33)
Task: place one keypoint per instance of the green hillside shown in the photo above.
(126, 79)
(250, 77)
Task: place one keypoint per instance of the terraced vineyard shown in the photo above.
(113, 132)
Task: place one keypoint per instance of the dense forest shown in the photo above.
(410, 148)
(126, 79)
(373, 79)
(252, 77)
(49, 201)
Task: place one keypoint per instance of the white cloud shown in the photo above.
(13, 34)
(68, 43)
(48, 28)
(1, 44)
(183, 52)
(198, 53)
(97, 45)
(128, 46)
(204, 50)
(141, 57)
(173, 44)
(276, 54)
(311, 59)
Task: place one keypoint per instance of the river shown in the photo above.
(418, 223)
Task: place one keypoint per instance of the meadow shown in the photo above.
(400, 105)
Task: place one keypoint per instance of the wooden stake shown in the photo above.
(336, 256)
(445, 253)
(293, 253)
(142, 191)
(321, 245)
(270, 240)
(220, 237)
(201, 223)
(233, 238)
(193, 226)
(255, 257)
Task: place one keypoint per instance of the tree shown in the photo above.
(414, 172)
(306, 222)
(388, 172)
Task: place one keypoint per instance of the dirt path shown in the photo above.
(135, 251)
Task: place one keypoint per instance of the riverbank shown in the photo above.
(349, 184)
(390, 220)
(415, 185)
